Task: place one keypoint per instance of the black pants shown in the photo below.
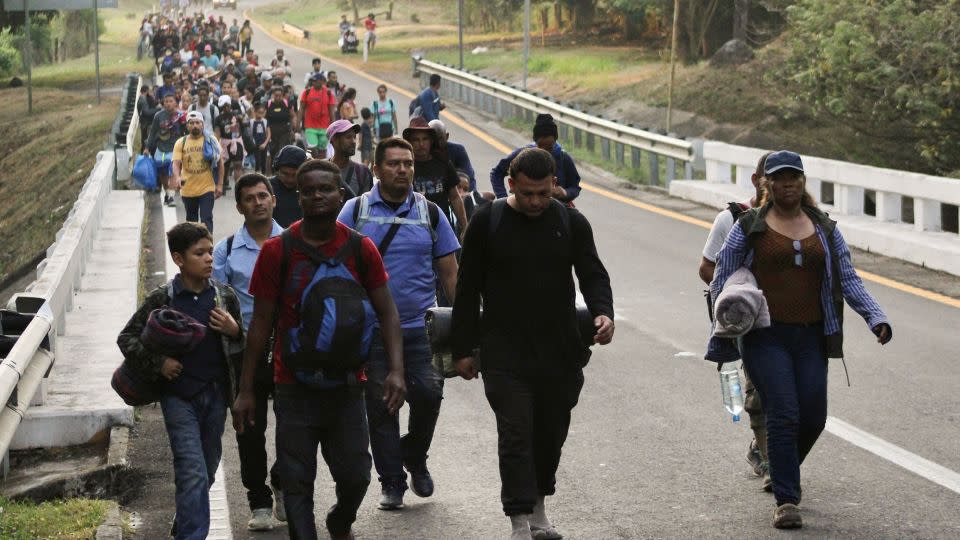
(336, 420)
(260, 156)
(252, 446)
(533, 417)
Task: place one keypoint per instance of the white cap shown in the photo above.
(194, 115)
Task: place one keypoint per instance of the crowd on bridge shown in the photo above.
(327, 298)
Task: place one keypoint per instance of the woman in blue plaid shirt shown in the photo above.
(802, 265)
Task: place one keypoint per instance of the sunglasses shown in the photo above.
(797, 254)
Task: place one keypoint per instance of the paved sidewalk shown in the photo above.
(80, 402)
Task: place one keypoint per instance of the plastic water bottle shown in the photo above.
(731, 389)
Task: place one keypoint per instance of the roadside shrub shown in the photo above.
(9, 55)
(888, 67)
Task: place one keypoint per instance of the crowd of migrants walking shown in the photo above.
(324, 299)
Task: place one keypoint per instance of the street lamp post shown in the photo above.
(460, 23)
(526, 40)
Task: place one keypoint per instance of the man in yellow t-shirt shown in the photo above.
(195, 173)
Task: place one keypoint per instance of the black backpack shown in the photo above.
(414, 107)
(335, 332)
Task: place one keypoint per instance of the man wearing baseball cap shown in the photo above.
(284, 184)
(316, 112)
(198, 163)
(210, 60)
(355, 178)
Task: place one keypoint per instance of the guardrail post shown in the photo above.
(635, 157)
(577, 137)
(888, 206)
(850, 200)
(688, 170)
(564, 132)
(618, 149)
(654, 168)
(671, 170)
(591, 143)
(499, 103)
(926, 215)
(718, 171)
(605, 149)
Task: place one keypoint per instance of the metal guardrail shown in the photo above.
(499, 98)
(296, 30)
(50, 296)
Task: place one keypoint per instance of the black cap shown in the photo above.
(289, 156)
(545, 126)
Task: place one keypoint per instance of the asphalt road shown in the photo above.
(651, 453)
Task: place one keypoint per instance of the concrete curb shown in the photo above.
(112, 526)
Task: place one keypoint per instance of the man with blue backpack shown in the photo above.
(322, 305)
(418, 246)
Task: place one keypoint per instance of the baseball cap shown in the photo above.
(208, 48)
(317, 76)
(341, 126)
(289, 156)
(784, 159)
(194, 115)
(224, 100)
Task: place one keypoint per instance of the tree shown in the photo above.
(741, 13)
(887, 67)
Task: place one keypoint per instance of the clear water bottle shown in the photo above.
(731, 389)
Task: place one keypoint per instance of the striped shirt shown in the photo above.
(735, 254)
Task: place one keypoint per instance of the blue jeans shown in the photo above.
(788, 365)
(424, 394)
(336, 420)
(200, 209)
(195, 428)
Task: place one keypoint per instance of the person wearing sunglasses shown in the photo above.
(802, 265)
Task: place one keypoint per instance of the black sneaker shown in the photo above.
(391, 494)
(168, 200)
(421, 483)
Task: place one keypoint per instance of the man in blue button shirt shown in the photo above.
(414, 238)
(233, 262)
(429, 100)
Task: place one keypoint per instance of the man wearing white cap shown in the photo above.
(355, 178)
(198, 167)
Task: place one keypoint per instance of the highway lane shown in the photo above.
(650, 453)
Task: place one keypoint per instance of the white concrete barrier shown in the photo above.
(894, 213)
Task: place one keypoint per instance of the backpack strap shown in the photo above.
(361, 212)
(229, 245)
(496, 214)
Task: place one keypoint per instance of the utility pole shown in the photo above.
(96, 46)
(29, 51)
(460, 23)
(526, 39)
(673, 62)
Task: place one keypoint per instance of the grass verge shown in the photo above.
(118, 53)
(740, 105)
(71, 519)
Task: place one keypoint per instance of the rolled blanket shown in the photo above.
(171, 333)
(740, 307)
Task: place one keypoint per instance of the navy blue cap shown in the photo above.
(289, 156)
(784, 159)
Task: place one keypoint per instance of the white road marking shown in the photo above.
(925, 468)
(219, 509)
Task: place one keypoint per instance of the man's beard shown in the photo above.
(196, 132)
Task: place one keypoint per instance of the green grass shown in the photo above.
(72, 519)
(118, 53)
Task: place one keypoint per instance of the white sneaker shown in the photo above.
(262, 520)
(520, 527)
(279, 510)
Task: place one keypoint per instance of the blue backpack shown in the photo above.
(332, 340)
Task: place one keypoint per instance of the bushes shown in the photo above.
(889, 67)
(9, 55)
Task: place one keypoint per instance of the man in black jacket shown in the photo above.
(517, 258)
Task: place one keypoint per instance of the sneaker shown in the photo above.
(787, 516)
(168, 200)
(755, 459)
(391, 494)
(421, 483)
(262, 520)
(279, 510)
(767, 482)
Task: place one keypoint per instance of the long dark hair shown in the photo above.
(351, 93)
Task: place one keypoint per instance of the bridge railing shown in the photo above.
(652, 151)
(928, 203)
(50, 297)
